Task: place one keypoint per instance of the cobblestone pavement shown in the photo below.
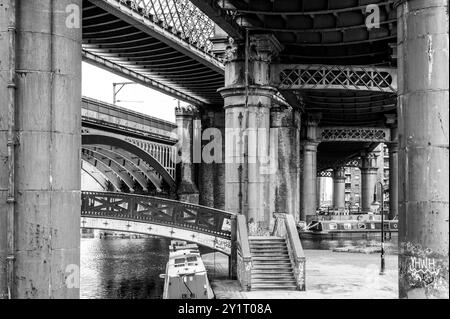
(329, 275)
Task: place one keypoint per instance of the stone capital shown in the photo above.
(339, 174)
(264, 47)
(313, 119)
(369, 161)
(310, 146)
(312, 122)
(185, 111)
(234, 50)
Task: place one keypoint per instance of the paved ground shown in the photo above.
(328, 275)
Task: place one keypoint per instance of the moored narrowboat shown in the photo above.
(352, 229)
(185, 276)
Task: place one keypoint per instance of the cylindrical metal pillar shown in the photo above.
(369, 172)
(47, 150)
(423, 123)
(339, 188)
(308, 204)
(187, 189)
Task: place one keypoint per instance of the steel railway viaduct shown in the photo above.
(321, 82)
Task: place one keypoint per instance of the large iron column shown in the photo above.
(247, 99)
(309, 176)
(212, 168)
(339, 188)
(187, 137)
(369, 171)
(423, 81)
(285, 180)
(46, 76)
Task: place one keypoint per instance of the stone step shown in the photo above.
(275, 271)
(286, 281)
(270, 255)
(268, 261)
(274, 287)
(265, 238)
(269, 249)
(266, 242)
(274, 267)
(273, 277)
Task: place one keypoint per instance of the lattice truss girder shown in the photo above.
(180, 17)
(354, 134)
(313, 76)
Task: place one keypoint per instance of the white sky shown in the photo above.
(98, 84)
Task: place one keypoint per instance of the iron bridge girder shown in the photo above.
(354, 134)
(334, 77)
(157, 211)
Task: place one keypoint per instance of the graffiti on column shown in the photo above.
(423, 272)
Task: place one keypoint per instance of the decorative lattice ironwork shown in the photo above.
(356, 134)
(180, 17)
(156, 210)
(325, 173)
(335, 77)
(353, 163)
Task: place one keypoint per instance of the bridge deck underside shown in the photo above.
(323, 31)
(350, 108)
(110, 37)
(330, 153)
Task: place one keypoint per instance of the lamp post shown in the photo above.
(382, 222)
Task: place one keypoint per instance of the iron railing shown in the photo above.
(156, 211)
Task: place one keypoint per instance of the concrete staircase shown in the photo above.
(272, 268)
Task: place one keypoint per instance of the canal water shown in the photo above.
(116, 268)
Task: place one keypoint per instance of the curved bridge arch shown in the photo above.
(102, 169)
(121, 163)
(95, 174)
(112, 165)
(98, 139)
(156, 216)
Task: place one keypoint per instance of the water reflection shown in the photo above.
(115, 268)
